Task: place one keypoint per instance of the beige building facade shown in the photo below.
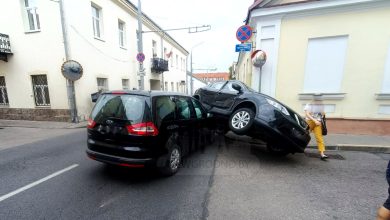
(101, 36)
(337, 51)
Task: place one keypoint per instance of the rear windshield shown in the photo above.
(121, 107)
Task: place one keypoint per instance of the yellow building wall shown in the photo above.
(368, 42)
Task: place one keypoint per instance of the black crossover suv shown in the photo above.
(140, 128)
(245, 111)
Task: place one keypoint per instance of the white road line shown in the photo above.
(6, 196)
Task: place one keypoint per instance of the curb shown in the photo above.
(356, 147)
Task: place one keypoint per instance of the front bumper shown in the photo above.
(282, 132)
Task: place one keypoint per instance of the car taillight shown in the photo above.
(91, 123)
(143, 129)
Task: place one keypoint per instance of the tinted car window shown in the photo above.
(217, 85)
(165, 109)
(228, 87)
(123, 107)
(198, 109)
(183, 108)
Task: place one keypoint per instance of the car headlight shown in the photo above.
(278, 106)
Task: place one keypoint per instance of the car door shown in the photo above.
(225, 98)
(203, 125)
(208, 94)
(185, 123)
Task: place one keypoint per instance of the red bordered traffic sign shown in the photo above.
(140, 57)
(244, 33)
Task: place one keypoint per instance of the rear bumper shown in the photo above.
(116, 160)
(294, 140)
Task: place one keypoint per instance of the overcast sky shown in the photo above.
(215, 48)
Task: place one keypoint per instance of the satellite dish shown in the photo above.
(72, 70)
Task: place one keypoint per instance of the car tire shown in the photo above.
(241, 120)
(169, 164)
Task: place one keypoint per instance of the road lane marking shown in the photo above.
(6, 196)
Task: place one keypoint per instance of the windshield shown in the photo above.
(122, 107)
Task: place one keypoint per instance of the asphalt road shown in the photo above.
(230, 180)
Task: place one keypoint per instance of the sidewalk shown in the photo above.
(367, 143)
(42, 124)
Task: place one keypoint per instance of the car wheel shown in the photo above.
(276, 150)
(171, 162)
(241, 120)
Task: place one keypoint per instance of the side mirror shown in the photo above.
(237, 87)
(95, 96)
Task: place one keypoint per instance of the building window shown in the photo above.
(177, 61)
(172, 86)
(102, 84)
(122, 33)
(32, 16)
(3, 92)
(325, 61)
(177, 87)
(97, 21)
(41, 90)
(154, 48)
(171, 58)
(166, 86)
(386, 78)
(125, 84)
(165, 53)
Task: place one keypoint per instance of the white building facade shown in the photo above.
(101, 36)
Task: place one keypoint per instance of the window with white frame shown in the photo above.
(122, 33)
(125, 84)
(3, 92)
(102, 84)
(177, 61)
(41, 90)
(32, 16)
(386, 79)
(325, 62)
(154, 48)
(97, 21)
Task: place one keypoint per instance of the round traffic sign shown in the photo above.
(244, 33)
(140, 57)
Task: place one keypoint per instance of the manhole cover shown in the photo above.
(330, 156)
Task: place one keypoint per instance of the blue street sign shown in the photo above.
(243, 47)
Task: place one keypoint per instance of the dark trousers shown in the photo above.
(387, 203)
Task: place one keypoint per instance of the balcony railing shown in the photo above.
(5, 44)
(159, 65)
(5, 47)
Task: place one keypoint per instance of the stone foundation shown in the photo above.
(38, 114)
(355, 126)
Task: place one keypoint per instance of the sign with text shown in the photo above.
(243, 47)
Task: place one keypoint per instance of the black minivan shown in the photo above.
(146, 128)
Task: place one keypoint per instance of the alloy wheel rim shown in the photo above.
(240, 120)
(175, 159)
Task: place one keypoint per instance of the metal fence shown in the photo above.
(3, 92)
(41, 90)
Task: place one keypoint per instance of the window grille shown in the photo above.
(102, 84)
(125, 84)
(32, 15)
(3, 92)
(41, 90)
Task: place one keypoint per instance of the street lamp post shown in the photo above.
(192, 73)
(140, 46)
